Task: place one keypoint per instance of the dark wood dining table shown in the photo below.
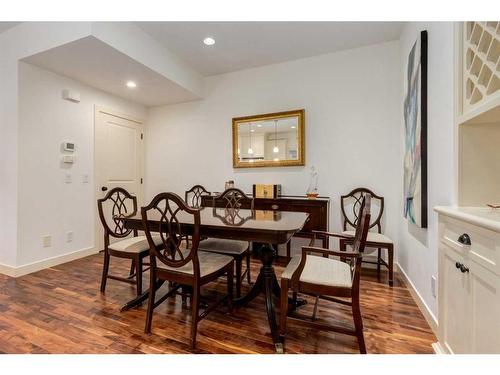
(265, 227)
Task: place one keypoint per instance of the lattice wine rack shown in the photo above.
(481, 65)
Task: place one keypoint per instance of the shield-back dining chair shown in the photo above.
(376, 240)
(178, 263)
(329, 279)
(116, 205)
(232, 200)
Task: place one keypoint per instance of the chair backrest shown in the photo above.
(350, 207)
(117, 204)
(359, 242)
(233, 198)
(363, 224)
(164, 215)
(193, 196)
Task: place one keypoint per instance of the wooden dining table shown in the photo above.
(268, 228)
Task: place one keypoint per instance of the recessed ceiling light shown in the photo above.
(209, 41)
(259, 125)
(293, 127)
(131, 84)
(253, 130)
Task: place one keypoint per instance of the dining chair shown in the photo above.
(193, 196)
(116, 205)
(349, 204)
(179, 264)
(232, 200)
(327, 278)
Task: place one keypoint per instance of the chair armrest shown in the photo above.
(327, 234)
(319, 250)
(330, 234)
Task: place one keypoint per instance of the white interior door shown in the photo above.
(118, 158)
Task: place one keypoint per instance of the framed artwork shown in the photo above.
(415, 122)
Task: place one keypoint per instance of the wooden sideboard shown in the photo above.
(318, 210)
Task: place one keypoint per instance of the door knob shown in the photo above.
(104, 188)
(458, 265)
(464, 239)
(463, 268)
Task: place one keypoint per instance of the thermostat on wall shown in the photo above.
(69, 146)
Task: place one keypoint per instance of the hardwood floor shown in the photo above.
(60, 310)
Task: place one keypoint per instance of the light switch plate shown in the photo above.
(67, 178)
(69, 236)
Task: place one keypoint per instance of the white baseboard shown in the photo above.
(45, 263)
(438, 348)
(428, 315)
(7, 270)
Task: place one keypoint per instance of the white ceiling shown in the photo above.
(7, 25)
(242, 45)
(96, 64)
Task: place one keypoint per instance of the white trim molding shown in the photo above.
(426, 311)
(45, 263)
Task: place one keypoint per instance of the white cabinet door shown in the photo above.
(453, 297)
(484, 297)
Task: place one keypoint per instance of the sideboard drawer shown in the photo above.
(484, 245)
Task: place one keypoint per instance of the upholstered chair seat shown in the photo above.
(134, 244)
(222, 245)
(320, 271)
(209, 263)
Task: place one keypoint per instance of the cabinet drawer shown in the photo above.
(485, 244)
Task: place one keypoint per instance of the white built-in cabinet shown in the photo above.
(469, 273)
(469, 283)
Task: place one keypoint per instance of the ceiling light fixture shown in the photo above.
(131, 84)
(209, 41)
(293, 126)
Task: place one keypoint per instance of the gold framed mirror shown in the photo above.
(269, 140)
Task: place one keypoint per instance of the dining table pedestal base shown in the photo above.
(266, 283)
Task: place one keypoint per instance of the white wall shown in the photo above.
(48, 205)
(417, 252)
(17, 43)
(30, 38)
(352, 105)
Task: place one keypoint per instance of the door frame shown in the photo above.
(98, 241)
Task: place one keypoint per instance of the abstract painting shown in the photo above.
(415, 119)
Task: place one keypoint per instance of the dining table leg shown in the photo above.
(141, 298)
(266, 283)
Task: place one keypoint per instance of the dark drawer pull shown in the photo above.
(462, 267)
(464, 239)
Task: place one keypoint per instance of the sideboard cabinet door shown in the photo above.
(484, 297)
(453, 295)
